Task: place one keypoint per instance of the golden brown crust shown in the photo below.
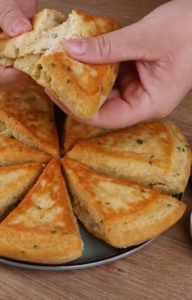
(28, 115)
(4, 131)
(15, 181)
(154, 154)
(83, 94)
(118, 211)
(13, 152)
(51, 249)
(42, 228)
(73, 131)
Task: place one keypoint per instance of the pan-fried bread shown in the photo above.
(28, 115)
(13, 152)
(117, 211)
(42, 21)
(74, 131)
(154, 154)
(15, 181)
(4, 131)
(83, 88)
(43, 229)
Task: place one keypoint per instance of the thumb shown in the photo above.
(12, 20)
(128, 43)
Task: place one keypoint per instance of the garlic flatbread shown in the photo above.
(74, 131)
(13, 152)
(83, 88)
(117, 211)
(154, 154)
(43, 229)
(15, 181)
(28, 115)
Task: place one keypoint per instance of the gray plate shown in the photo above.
(95, 253)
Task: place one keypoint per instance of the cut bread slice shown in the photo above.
(15, 182)
(42, 21)
(28, 114)
(74, 131)
(83, 88)
(119, 212)
(154, 154)
(43, 229)
(13, 152)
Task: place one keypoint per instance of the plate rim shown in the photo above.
(77, 266)
(81, 265)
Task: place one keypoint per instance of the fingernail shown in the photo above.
(76, 46)
(18, 25)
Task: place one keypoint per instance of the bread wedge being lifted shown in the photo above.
(83, 88)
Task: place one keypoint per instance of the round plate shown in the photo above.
(95, 253)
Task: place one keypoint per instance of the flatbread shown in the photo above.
(154, 154)
(83, 88)
(15, 182)
(119, 212)
(74, 131)
(28, 114)
(42, 229)
(13, 152)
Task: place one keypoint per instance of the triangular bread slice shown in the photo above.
(43, 229)
(154, 154)
(74, 131)
(13, 152)
(119, 212)
(29, 115)
(83, 88)
(15, 181)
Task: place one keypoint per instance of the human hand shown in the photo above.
(156, 72)
(14, 20)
